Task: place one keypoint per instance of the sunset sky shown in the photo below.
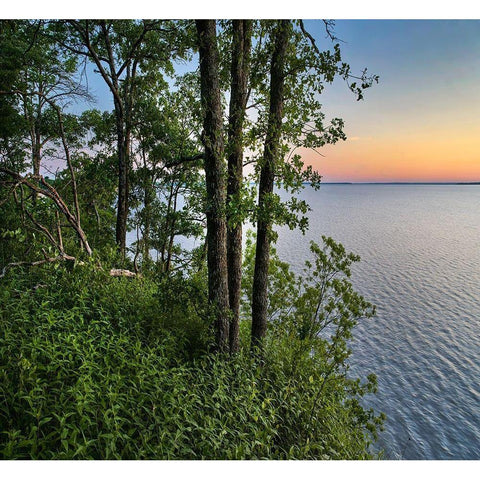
(421, 123)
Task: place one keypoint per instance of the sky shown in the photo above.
(420, 123)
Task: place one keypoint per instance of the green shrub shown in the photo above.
(95, 367)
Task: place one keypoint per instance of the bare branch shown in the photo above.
(182, 160)
(50, 192)
(59, 258)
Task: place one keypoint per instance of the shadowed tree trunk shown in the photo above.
(148, 199)
(241, 46)
(215, 180)
(265, 189)
(123, 164)
(36, 151)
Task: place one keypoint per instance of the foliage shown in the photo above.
(319, 308)
(312, 317)
(166, 190)
(95, 367)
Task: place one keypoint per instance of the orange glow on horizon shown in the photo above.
(413, 158)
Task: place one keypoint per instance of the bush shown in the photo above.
(94, 367)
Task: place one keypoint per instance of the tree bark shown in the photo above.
(122, 203)
(166, 227)
(267, 177)
(172, 228)
(215, 180)
(241, 46)
(148, 199)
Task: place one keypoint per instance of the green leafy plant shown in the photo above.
(95, 367)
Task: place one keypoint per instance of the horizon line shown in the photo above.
(398, 183)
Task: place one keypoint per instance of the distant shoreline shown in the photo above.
(397, 183)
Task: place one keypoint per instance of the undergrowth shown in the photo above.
(95, 367)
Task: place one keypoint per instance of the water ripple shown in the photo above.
(421, 267)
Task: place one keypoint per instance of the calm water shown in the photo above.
(420, 249)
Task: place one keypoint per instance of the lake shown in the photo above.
(420, 249)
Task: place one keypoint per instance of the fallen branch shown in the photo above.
(59, 258)
(114, 272)
(49, 191)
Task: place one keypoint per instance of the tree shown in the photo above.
(214, 166)
(168, 189)
(240, 68)
(298, 72)
(13, 132)
(38, 88)
(271, 69)
(267, 178)
(43, 84)
(122, 50)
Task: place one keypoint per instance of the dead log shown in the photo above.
(119, 272)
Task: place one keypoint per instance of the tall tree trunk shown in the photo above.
(148, 199)
(123, 144)
(36, 133)
(265, 189)
(36, 156)
(241, 46)
(123, 102)
(122, 203)
(125, 118)
(146, 224)
(35, 141)
(215, 180)
(172, 230)
(166, 228)
(36, 150)
(123, 140)
(123, 122)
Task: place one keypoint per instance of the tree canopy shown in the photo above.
(203, 136)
